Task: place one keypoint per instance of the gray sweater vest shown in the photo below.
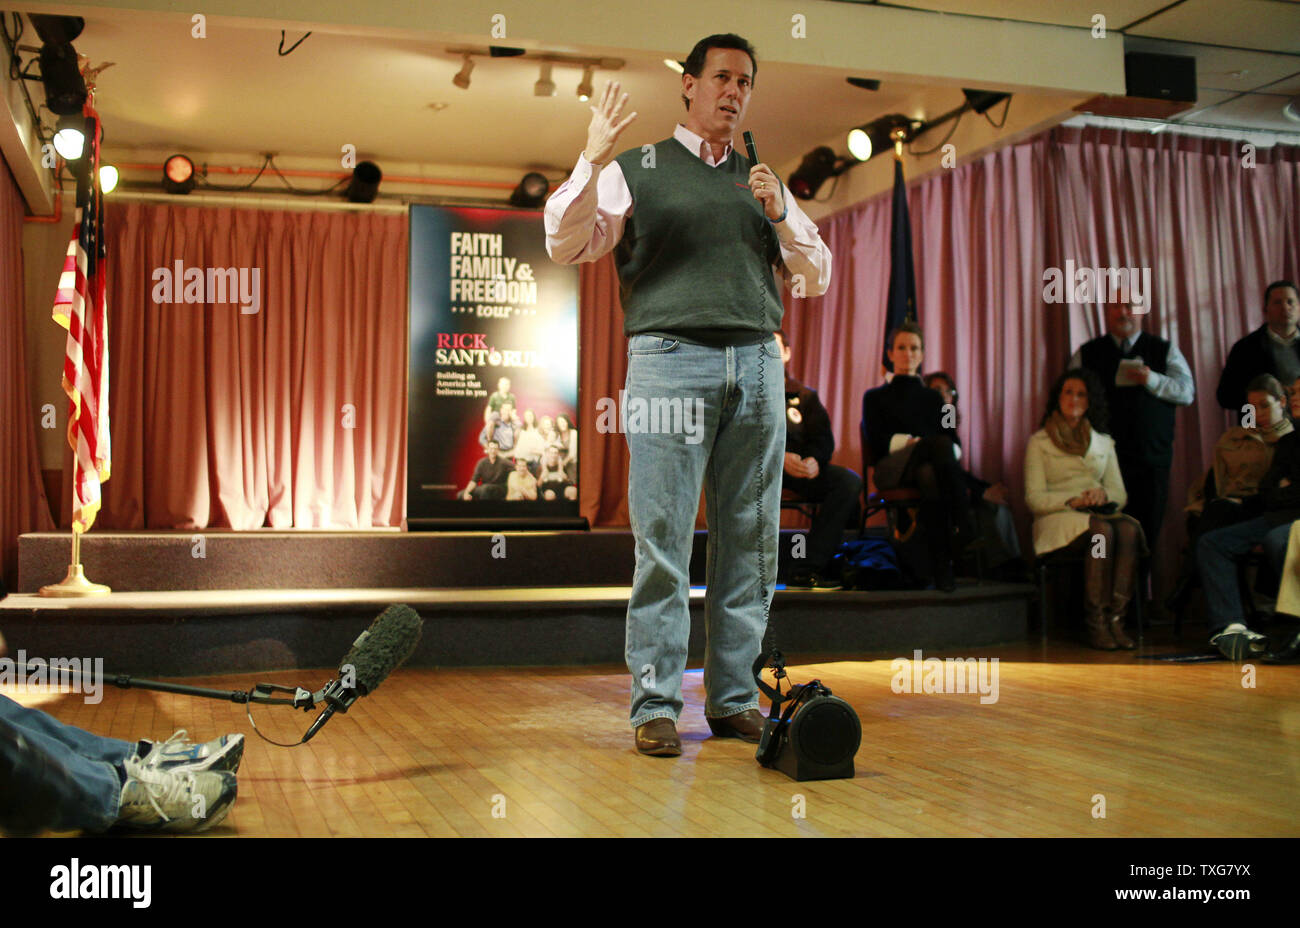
(697, 251)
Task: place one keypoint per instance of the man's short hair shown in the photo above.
(694, 65)
(1276, 285)
(910, 328)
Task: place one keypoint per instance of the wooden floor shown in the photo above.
(1174, 749)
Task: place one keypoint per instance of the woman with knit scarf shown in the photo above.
(1074, 489)
(1230, 491)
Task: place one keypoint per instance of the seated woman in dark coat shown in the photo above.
(912, 443)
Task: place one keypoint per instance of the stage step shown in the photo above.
(185, 633)
(308, 559)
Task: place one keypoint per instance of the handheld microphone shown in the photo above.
(750, 149)
(377, 652)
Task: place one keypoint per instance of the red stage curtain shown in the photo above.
(293, 417)
(23, 506)
(602, 458)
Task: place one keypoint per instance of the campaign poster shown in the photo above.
(493, 378)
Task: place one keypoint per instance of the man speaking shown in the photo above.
(697, 232)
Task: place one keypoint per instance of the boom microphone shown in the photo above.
(377, 652)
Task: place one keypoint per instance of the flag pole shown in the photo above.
(75, 583)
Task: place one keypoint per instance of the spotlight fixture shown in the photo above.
(865, 83)
(878, 135)
(981, 101)
(545, 87)
(584, 89)
(178, 175)
(674, 65)
(107, 178)
(70, 137)
(531, 192)
(817, 166)
(505, 51)
(1291, 109)
(461, 79)
(65, 88)
(364, 186)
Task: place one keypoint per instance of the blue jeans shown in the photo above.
(1216, 555)
(91, 791)
(729, 439)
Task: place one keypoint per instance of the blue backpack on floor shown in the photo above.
(870, 564)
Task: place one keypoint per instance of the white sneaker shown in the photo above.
(174, 799)
(1237, 642)
(222, 753)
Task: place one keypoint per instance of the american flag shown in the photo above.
(80, 308)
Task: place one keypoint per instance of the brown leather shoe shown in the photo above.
(747, 726)
(658, 738)
(1117, 632)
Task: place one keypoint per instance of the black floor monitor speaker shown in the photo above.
(818, 734)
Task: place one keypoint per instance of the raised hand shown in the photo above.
(606, 126)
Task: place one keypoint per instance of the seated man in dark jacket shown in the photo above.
(1277, 505)
(1273, 348)
(809, 473)
(912, 442)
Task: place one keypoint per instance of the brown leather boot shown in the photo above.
(1116, 625)
(1099, 634)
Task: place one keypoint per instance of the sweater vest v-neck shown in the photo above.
(697, 251)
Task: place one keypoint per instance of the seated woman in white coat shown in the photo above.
(1074, 489)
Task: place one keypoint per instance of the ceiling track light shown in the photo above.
(461, 79)
(867, 141)
(65, 88)
(545, 87)
(545, 84)
(531, 191)
(364, 185)
(178, 175)
(815, 169)
(70, 137)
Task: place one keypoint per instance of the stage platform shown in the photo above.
(261, 601)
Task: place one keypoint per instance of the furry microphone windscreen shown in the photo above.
(382, 648)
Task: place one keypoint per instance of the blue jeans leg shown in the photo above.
(743, 497)
(1275, 543)
(1216, 559)
(709, 421)
(92, 789)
